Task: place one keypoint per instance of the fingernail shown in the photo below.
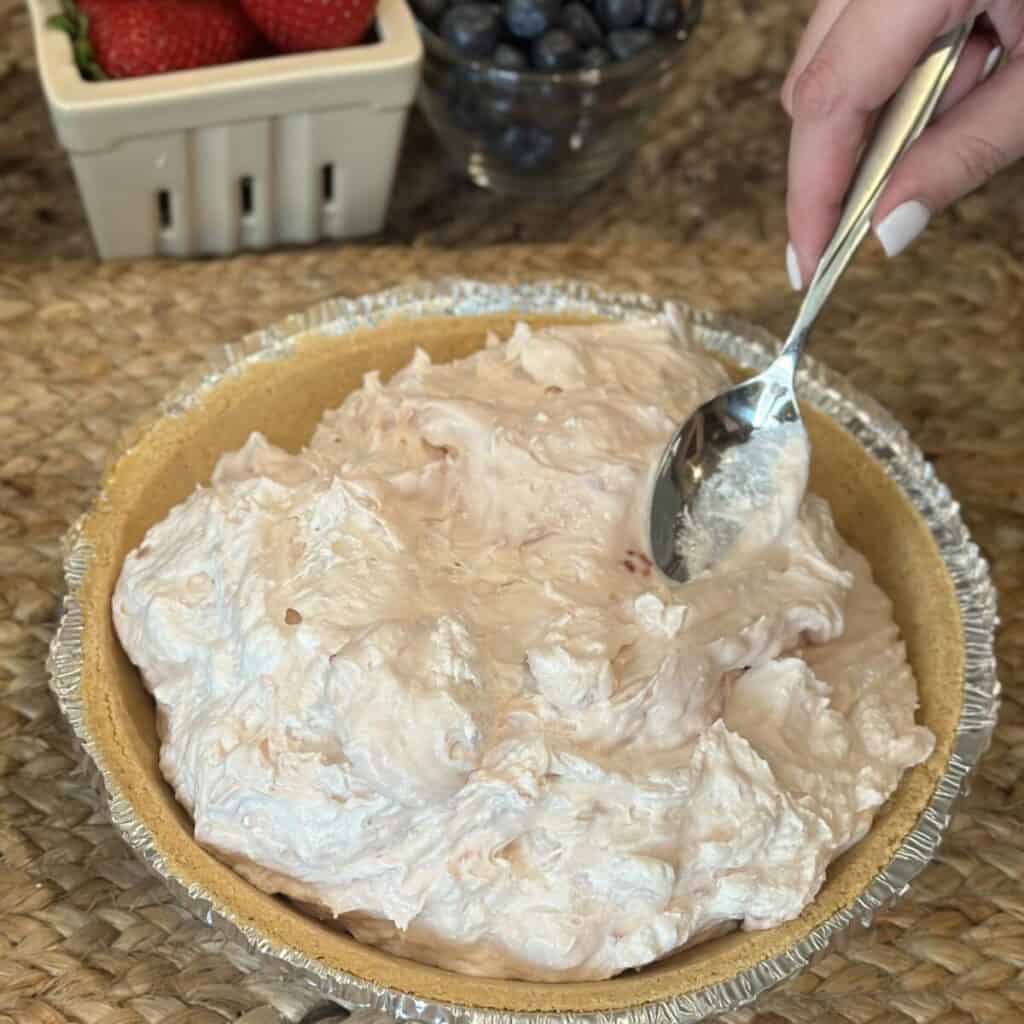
(786, 97)
(793, 268)
(902, 226)
(990, 62)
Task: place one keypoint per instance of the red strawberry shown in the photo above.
(300, 25)
(129, 38)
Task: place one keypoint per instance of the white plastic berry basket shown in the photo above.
(280, 150)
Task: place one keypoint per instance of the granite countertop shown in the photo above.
(713, 166)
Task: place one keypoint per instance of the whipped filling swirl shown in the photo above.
(423, 678)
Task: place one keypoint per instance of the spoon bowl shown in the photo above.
(733, 469)
(734, 475)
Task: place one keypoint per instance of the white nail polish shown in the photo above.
(902, 226)
(990, 62)
(793, 268)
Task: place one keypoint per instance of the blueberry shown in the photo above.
(628, 42)
(510, 57)
(472, 29)
(528, 19)
(616, 14)
(578, 21)
(595, 57)
(497, 110)
(429, 10)
(461, 100)
(555, 51)
(662, 15)
(527, 147)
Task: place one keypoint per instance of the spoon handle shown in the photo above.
(903, 119)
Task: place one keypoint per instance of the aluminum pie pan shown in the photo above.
(869, 424)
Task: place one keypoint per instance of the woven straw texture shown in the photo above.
(85, 935)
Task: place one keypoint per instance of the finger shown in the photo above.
(979, 57)
(1007, 19)
(861, 62)
(977, 138)
(818, 26)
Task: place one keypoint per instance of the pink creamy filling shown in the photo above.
(423, 677)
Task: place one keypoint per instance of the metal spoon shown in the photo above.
(741, 459)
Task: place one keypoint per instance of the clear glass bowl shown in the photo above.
(539, 133)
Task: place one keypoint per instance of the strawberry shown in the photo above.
(300, 25)
(130, 38)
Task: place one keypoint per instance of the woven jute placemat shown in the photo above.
(87, 936)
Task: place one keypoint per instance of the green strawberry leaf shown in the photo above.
(64, 23)
(76, 26)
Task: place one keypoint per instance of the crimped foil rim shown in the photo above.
(874, 428)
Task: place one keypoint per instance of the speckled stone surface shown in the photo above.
(712, 168)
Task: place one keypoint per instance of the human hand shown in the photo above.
(853, 56)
